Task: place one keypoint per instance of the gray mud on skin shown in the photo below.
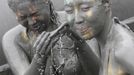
(121, 8)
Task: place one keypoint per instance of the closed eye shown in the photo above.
(84, 7)
(69, 9)
(35, 14)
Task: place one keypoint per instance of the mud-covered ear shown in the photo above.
(107, 5)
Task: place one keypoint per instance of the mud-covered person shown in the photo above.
(35, 17)
(92, 18)
(30, 51)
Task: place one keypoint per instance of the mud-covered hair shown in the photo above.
(13, 4)
(105, 1)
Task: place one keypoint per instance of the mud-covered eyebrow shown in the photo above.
(90, 3)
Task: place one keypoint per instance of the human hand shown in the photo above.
(46, 41)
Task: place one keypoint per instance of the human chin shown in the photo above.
(87, 36)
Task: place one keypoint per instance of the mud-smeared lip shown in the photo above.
(83, 30)
(86, 32)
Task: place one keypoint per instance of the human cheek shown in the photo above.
(89, 13)
(43, 18)
(23, 22)
(92, 14)
(96, 20)
(87, 29)
(93, 17)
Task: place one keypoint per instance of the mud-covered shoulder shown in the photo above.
(123, 41)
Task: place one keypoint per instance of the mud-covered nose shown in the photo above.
(78, 19)
(31, 21)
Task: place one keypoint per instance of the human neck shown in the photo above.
(105, 35)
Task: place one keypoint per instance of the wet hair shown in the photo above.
(13, 4)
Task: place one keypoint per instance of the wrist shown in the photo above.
(38, 64)
(40, 59)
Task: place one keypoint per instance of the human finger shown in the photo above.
(38, 39)
(42, 41)
(52, 43)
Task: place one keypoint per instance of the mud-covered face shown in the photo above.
(87, 17)
(34, 16)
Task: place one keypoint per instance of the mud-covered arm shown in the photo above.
(90, 62)
(16, 57)
(43, 45)
(124, 48)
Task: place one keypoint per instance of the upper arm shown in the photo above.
(124, 49)
(125, 56)
(16, 57)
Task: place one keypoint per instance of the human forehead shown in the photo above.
(32, 7)
(77, 1)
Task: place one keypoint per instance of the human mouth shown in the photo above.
(38, 27)
(86, 32)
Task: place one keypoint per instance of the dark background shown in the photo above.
(121, 8)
